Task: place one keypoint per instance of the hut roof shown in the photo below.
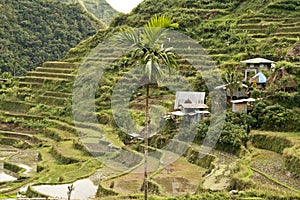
(242, 101)
(257, 61)
(195, 106)
(224, 86)
(188, 98)
(279, 74)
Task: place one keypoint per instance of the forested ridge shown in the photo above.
(32, 32)
(99, 8)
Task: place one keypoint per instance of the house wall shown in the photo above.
(255, 68)
(239, 107)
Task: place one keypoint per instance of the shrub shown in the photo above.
(235, 132)
(278, 118)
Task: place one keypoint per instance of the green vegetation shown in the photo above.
(33, 32)
(99, 8)
(256, 157)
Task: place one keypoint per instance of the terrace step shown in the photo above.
(15, 106)
(65, 152)
(29, 139)
(55, 70)
(20, 115)
(50, 100)
(50, 75)
(287, 34)
(65, 126)
(100, 148)
(58, 135)
(35, 85)
(36, 79)
(58, 94)
(62, 65)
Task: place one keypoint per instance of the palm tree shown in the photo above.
(154, 59)
(233, 83)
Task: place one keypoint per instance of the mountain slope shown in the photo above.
(99, 8)
(229, 30)
(32, 32)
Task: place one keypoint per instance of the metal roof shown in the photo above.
(224, 86)
(257, 61)
(178, 113)
(134, 135)
(192, 97)
(190, 105)
(243, 100)
(202, 111)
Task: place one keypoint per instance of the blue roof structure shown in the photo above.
(261, 77)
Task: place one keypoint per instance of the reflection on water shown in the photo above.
(83, 189)
(5, 177)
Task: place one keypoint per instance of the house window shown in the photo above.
(261, 65)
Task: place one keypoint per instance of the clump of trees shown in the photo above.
(234, 135)
(274, 117)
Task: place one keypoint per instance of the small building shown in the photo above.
(281, 79)
(242, 105)
(136, 136)
(255, 65)
(190, 105)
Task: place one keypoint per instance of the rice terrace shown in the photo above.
(181, 99)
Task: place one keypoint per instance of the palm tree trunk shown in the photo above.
(146, 145)
(231, 95)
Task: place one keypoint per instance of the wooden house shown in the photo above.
(242, 105)
(255, 65)
(190, 105)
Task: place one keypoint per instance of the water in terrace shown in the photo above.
(83, 189)
(5, 151)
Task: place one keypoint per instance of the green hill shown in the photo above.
(229, 30)
(99, 8)
(36, 113)
(32, 32)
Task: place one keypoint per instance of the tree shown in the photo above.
(70, 190)
(154, 59)
(233, 83)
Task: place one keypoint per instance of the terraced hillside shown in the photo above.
(46, 148)
(41, 123)
(230, 31)
(50, 139)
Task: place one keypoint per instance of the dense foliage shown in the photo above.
(32, 32)
(234, 135)
(100, 9)
(274, 117)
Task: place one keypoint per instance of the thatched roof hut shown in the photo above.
(278, 75)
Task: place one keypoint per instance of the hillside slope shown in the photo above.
(32, 32)
(99, 8)
(47, 93)
(229, 30)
